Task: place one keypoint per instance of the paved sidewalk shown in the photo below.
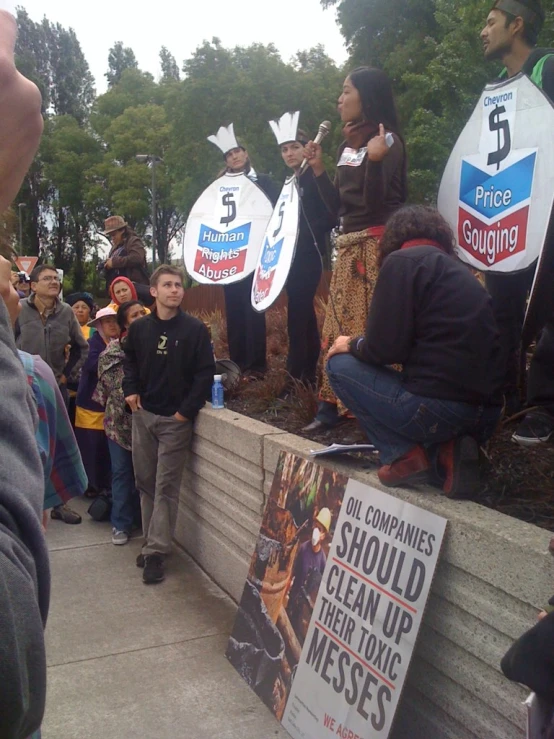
(128, 660)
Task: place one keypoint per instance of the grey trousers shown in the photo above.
(160, 444)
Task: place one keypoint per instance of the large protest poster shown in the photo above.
(279, 246)
(326, 629)
(497, 189)
(225, 230)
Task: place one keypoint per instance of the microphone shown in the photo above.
(323, 130)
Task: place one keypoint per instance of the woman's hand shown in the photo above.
(314, 156)
(377, 148)
(341, 346)
(133, 401)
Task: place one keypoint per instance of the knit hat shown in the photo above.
(113, 223)
(84, 297)
(129, 284)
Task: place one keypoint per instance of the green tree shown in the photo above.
(170, 68)
(120, 58)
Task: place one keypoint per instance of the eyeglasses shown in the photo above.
(49, 278)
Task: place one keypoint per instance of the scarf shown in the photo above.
(358, 134)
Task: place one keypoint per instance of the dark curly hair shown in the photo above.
(415, 222)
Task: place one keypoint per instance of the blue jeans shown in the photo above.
(125, 498)
(394, 419)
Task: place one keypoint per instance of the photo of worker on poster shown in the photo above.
(333, 602)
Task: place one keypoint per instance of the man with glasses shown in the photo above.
(46, 326)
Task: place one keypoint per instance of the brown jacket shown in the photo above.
(128, 260)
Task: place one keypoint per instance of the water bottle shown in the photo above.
(217, 393)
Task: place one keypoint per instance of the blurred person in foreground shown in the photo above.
(433, 317)
(24, 569)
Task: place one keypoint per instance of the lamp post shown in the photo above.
(19, 207)
(153, 161)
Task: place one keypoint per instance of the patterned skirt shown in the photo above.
(350, 295)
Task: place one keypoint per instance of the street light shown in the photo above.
(20, 205)
(153, 161)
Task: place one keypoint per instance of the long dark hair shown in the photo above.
(415, 222)
(375, 90)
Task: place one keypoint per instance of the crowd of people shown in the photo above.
(415, 347)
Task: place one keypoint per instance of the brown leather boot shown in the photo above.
(411, 469)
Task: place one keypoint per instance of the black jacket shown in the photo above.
(315, 218)
(430, 314)
(169, 364)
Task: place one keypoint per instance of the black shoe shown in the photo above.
(153, 569)
(65, 514)
(536, 428)
(140, 560)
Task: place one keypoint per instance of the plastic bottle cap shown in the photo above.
(217, 378)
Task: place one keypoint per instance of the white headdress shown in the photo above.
(225, 139)
(286, 127)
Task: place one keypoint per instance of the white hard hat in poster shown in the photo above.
(279, 245)
(497, 189)
(225, 230)
(333, 602)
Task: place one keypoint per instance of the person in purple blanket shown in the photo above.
(89, 415)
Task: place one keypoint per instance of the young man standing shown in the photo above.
(169, 369)
(510, 35)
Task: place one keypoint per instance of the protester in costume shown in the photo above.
(117, 425)
(89, 416)
(246, 335)
(433, 317)
(510, 35)
(370, 184)
(305, 273)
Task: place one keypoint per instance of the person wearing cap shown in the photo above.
(310, 557)
(246, 335)
(510, 35)
(89, 414)
(316, 221)
(127, 257)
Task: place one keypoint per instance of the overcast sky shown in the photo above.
(291, 25)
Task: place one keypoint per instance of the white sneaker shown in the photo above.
(119, 537)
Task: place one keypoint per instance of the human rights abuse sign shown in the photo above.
(497, 189)
(225, 229)
(325, 632)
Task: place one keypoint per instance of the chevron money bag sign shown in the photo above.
(279, 246)
(225, 230)
(497, 189)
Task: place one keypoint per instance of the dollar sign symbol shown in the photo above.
(229, 201)
(495, 124)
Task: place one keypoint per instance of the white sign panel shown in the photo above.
(225, 230)
(366, 618)
(279, 245)
(497, 189)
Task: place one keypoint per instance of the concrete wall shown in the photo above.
(493, 574)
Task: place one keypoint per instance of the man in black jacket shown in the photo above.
(169, 369)
(433, 317)
(511, 35)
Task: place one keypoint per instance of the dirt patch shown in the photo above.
(517, 481)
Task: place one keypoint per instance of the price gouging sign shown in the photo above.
(498, 186)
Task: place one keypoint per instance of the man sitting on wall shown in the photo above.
(430, 315)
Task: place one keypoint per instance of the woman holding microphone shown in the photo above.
(369, 185)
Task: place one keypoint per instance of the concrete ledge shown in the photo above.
(494, 573)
